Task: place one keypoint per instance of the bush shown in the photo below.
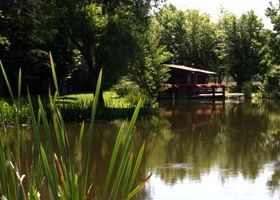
(125, 86)
(247, 90)
(149, 103)
(7, 112)
(271, 85)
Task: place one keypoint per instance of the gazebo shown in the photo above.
(190, 82)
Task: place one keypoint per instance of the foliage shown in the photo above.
(247, 90)
(7, 114)
(189, 35)
(148, 72)
(54, 170)
(4, 42)
(240, 46)
(273, 12)
(271, 85)
(21, 27)
(124, 86)
(84, 36)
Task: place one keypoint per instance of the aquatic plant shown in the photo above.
(54, 170)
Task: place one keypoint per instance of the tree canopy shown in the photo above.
(130, 39)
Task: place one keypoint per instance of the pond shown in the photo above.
(201, 150)
(198, 151)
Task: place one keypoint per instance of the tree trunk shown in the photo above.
(239, 84)
(93, 73)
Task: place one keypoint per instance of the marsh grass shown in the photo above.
(54, 170)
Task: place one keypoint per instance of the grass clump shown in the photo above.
(7, 114)
(54, 169)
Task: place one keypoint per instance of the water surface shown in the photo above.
(194, 151)
(198, 151)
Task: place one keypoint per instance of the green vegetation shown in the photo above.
(127, 44)
(84, 37)
(54, 170)
(271, 84)
(247, 90)
(130, 44)
(77, 107)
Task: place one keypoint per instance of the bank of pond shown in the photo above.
(75, 107)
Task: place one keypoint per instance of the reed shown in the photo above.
(53, 172)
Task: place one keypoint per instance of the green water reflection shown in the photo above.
(193, 142)
(189, 140)
(199, 151)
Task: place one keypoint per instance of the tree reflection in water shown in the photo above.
(188, 140)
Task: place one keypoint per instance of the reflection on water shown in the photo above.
(199, 151)
(213, 151)
(202, 151)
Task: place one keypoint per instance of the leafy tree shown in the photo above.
(273, 12)
(271, 85)
(189, 35)
(82, 35)
(21, 28)
(103, 33)
(172, 32)
(4, 42)
(241, 46)
(148, 72)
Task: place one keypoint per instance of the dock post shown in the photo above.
(213, 91)
(224, 91)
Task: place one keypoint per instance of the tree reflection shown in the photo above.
(188, 140)
(229, 137)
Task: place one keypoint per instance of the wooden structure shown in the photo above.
(189, 82)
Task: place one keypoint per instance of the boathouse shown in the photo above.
(190, 82)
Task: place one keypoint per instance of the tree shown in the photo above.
(4, 42)
(189, 35)
(102, 33)
(148, 72)
(21, 27)
(80, 34)
(273, 12)
(241, 45)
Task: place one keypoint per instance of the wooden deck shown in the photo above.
(197, 91)
(234, 96)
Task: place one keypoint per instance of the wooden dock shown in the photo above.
(194, 91)
(234, 96)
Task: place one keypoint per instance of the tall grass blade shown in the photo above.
(90, 132)
(7, 81)
(50, 174)
(95, 101)
(19, 83)
(54, 75)
(136, 168)
(113, 160)
(125, 153)
(137, 190)
(127, 177)
(35, 127)
(4, 182)
(43, 116)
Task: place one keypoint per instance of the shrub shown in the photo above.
(125, 86)
(271, 85)
(247, 90)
